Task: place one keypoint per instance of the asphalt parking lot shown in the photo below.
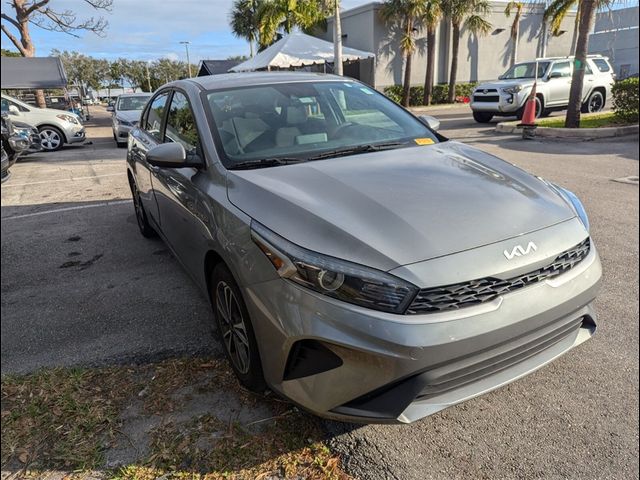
(81, 286)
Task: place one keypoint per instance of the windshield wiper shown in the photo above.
(359, 149)
(264, 163)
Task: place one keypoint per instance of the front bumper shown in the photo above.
(74, 133)
(497, 101)
(122, 131)
(349, 363)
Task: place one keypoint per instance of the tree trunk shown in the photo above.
(587, 18)
(576, 27)
(514, 39)
(431, 54)
(406, 88)
(337, 39)
(455, 47)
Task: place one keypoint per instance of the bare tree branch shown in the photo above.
(35, 6)
(14, 40)
(10, 20)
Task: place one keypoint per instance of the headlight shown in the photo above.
(68, 118)
(513, 89)
(124, 122)
(335, 278)
(575, 202)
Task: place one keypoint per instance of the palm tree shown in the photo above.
(406, 15)
(431, 19)
(556, 12)
(467, 14)
(517, 8)
(285, 15)
(244, 21)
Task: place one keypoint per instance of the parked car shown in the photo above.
(126, 114)
(13, 145)
(507, 96)
(29, 132)
(56, 128)
(358, 262)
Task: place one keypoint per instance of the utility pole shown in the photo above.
(337, 39)
(186, 46)
(148, 76)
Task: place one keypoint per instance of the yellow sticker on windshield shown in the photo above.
(423, 141)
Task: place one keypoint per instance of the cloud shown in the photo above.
(150, 29)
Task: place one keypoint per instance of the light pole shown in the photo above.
(186, 46)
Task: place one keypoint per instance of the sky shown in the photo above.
(151, 29)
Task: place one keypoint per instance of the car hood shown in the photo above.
(129, 115)
(392, 208)
(498, 84)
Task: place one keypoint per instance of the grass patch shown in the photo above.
(593, 120)
(68, 419)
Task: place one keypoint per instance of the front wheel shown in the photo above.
(482, 117)
(52, 138)
(235, 330)
(594, 104)
(539, 109)
(145, 227)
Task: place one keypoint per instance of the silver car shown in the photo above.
(357, 262)
(126, 114)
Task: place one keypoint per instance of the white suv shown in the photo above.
(507, 96)
(56, 127)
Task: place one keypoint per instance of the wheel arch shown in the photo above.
(211, 260)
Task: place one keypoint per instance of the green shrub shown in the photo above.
(439, 95)
(625, 99)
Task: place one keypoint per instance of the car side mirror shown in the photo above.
(110, 108)
(555, 75)
(501, 77)
(172, 155)
(432, 122)
(13, 110)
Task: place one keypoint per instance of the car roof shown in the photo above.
(139, 94)
(246, 79)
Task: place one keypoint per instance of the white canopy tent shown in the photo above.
(298, 50)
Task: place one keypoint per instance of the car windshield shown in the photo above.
(290, 122)
(525, 70)
(132, 103)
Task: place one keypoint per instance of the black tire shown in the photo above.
(145, 227)
(52, 138)
(540, 111)
(482, 117)
(594, 104)
(235, 330)
(118, 144)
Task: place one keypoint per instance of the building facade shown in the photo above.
(480, 58)
(615, 35)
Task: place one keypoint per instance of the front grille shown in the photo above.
(474, 292)
(486, 98)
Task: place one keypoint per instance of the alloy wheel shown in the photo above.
(595, 103)
(50, 139)
(232, 327)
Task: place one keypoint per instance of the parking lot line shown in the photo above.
(66, 209)
(73, 179)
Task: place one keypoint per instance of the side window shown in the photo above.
(181, 126)
(5, 105)
(602, 64)
(564, 68)
(154, 115)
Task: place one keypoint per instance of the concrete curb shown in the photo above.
(580, 133)
(442, 106)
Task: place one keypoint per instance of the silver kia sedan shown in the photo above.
(357, 262)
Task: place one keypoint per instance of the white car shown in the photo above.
(126, 114)
(507, 96)
(56, 127)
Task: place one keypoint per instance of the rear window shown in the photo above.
(602, 64)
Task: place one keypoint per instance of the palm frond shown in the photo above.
(476, 24)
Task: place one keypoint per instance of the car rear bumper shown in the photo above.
(349, 363)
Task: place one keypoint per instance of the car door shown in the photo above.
(143, 139)
(589, 81)
(559, 84)
(178, 190)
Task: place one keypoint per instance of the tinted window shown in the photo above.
(563, 68)
(132, 103)
(181, 126)
(153, 121)
(308, 118)
(602, 64)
